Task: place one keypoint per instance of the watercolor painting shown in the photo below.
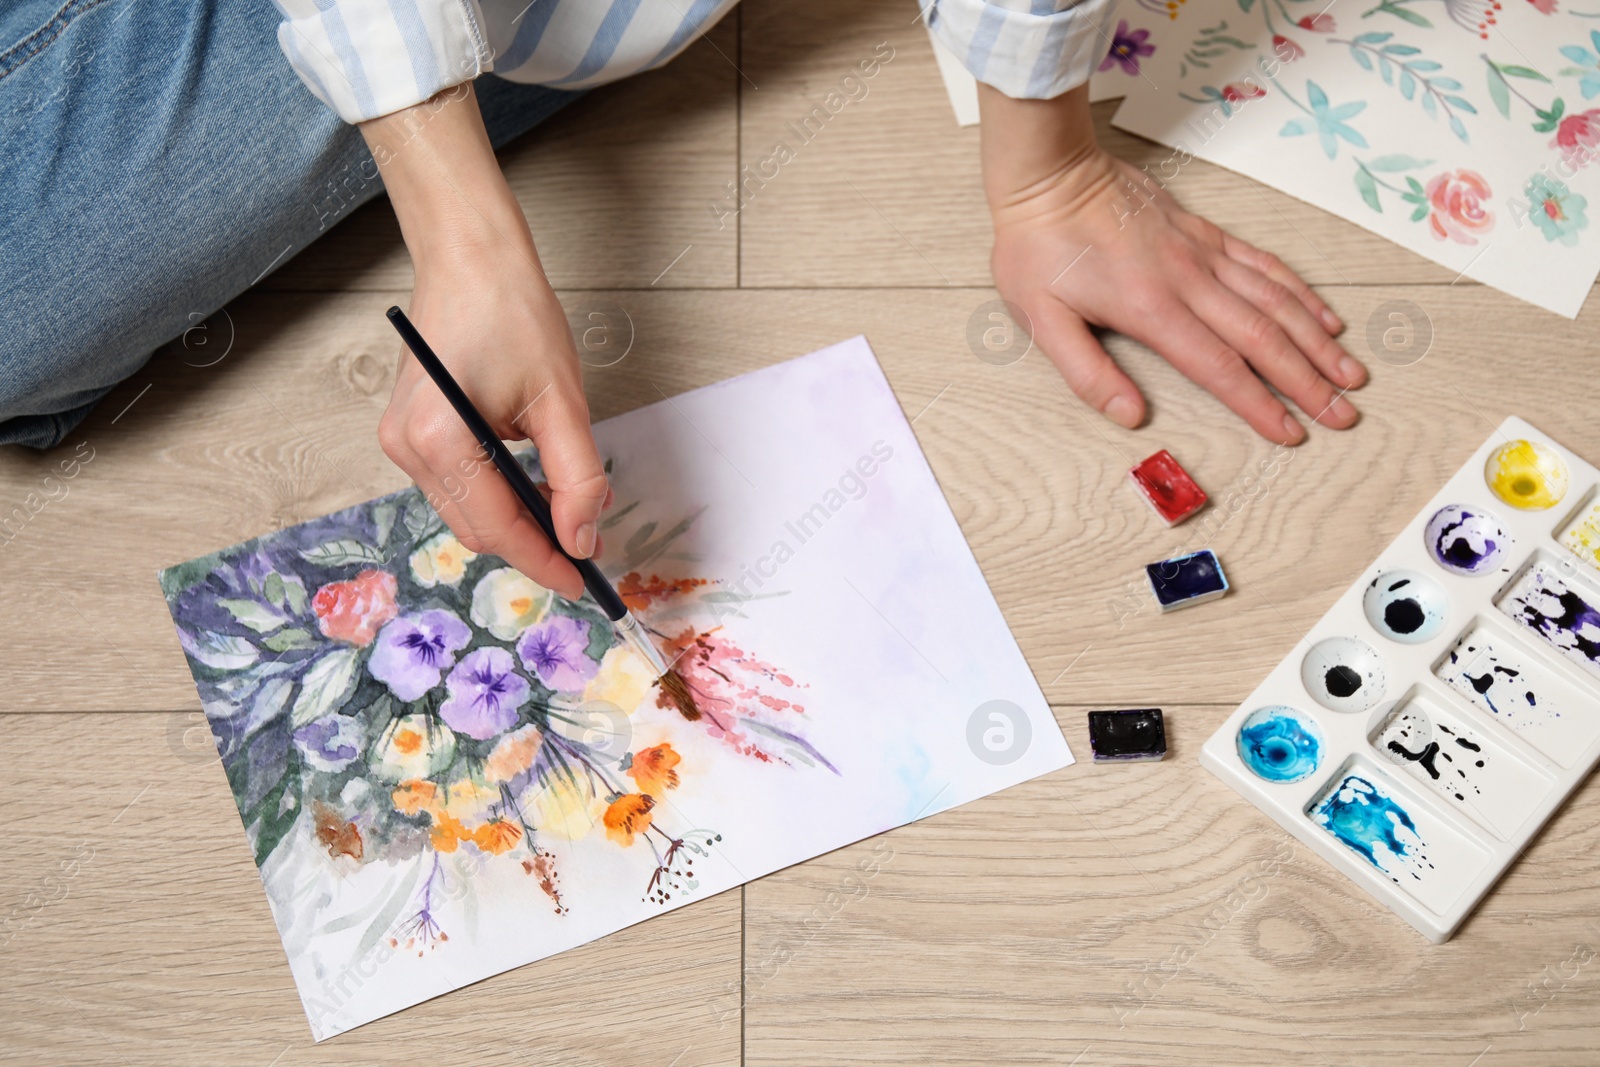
(445, 771)
(1450, 128)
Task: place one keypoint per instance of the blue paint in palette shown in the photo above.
(1370, 823)
(1279, 744)
(1186, 580)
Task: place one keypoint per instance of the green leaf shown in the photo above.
(383, 517)
(223, 652)
(273, 589)
(1246, 5)
(294, 594)
(1293, 128)
(1398, 161)
(1522, 72)
(1499, 92)
(254, 614)
(326, 686)
(1372, 38)
(1368, 189)
(1401, 49)
(275, 816)
(292, 638)
(1416, 186)
(342, 553)
(1420, 214)
(640, 538)
(1409, 16)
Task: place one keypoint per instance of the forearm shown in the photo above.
(444, 181)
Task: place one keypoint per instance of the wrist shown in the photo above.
(1040, 156)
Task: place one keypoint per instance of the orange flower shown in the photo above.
(652, 769)
(354, 611)
(447, 833)
(414, 796)
(629, 814)
(513, 754)
(497, 836)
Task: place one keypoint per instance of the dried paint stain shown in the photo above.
(1543, 602)
(1485, 675)
(1583, 537)
(1371, 824)
(1450, 760)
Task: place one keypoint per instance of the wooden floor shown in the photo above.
(1071, 920)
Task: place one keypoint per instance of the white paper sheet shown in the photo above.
(782, 530)
(1461, 139)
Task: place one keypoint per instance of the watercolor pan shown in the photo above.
(1185, 581)
(1422, 733)
(1167, 488)
(1128, 735)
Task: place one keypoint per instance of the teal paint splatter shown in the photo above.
(1278, 745)
(1364, 817)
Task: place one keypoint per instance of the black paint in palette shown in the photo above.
(1186, 580)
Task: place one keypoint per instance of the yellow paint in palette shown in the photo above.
(1526, 475)
(1583, 537)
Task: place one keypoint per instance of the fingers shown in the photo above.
(430, 443)
(1306, 333)
(1084, 363)
(1270, 265)
(1257, 335)
(1186, 342)
(557, 421)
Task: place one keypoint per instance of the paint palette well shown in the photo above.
(1426, 728)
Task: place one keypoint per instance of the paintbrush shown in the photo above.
(627, 626)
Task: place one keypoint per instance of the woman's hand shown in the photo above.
(482, 301)
(1084, 239)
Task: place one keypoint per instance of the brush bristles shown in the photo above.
(677, 691)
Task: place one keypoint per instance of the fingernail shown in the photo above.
(1331, 321)
(586, 535)
(1296, 433)
(1354, 373)
(1342, 410)
(1122, 411)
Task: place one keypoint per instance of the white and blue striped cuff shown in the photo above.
(1029, 49)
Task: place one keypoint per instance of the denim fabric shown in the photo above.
(157, 158)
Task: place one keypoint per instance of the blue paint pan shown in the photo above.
(1186, 580)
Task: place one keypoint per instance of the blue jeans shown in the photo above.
(157, 158)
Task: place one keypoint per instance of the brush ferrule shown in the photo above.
(640, 642)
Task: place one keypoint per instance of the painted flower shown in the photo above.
(1578, 136)
(355, 610)
(467, 801)
(513, 754)
(497, 836)
(413, 651)
(330, 743)
(506, 602)
(1588, 68)
(447, 833)
(653, 769)
(485, 693)
(1555, 209)
(1286, 50)
(1327, 121)
(567, 808)
(414, 796)
(1317, 23)
(1238, 93)
(555, 650)
(626, 816)
(625, 678)
(1544, 7)
(1127, 48)
(1457, 199)
(441, 560)
(412, 747)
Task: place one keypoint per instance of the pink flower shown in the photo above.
(1285, 49)
(1317, 23)
(1457, 198)
(1577, 137)
(1237, 93)
(1544, 7)
(355, 610)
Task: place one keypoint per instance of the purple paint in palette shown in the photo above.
(1552, 607)
(1466, 539)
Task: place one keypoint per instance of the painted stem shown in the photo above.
(1427, 85)
(1378, 180)
(1507, 82)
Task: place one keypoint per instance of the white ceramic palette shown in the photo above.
(1426, 727)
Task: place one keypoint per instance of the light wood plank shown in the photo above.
(139, 934)
(1144, 914)
(890, 192)
(614, 186)
(284, 430)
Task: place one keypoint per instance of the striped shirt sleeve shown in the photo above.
(365, 58)
(1030, 49)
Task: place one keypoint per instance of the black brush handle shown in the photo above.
(506, 463)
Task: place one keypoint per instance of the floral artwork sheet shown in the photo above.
(445, 771)
(1463, 130)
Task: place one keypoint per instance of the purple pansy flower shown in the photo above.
(330, 743)
(555, 651)
(1127, 47)
(485, 693)
(413, 650)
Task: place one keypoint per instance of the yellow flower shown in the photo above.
(467, 800)
(567, 808)
(412, 747)
(514, 754)
(506, 602)
(625, 679)
(441, 559)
